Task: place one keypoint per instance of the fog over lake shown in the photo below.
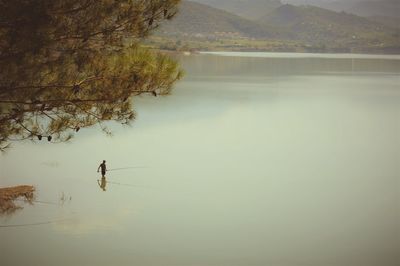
(255, 159)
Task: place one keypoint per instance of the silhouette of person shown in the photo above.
(103, 168)
(103, 183)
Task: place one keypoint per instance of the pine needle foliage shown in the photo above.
(71, 64)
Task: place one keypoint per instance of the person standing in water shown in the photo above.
(103, 168)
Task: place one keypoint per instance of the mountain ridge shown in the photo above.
(366, 8)
(198, 19)
(322, 25)
(249, 9)
(287, 27)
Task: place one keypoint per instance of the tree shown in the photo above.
(70, 64)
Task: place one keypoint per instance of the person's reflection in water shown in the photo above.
(103, 183)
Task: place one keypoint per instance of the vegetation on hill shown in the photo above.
(318, 25)
(393, 22)
(198, 20)
(285, 28)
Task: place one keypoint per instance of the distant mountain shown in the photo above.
(318, 25)
(335, 5)
(387, 8)
(195, 19)
(287, 27)
(250, 9)
(365, 8)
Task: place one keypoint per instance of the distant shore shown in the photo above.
(269, 46)
(327, 52)
(303, 55)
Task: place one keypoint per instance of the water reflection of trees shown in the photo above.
(66, 65)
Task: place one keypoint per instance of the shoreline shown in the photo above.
(8, 196)
(290, 52)
(302, 55)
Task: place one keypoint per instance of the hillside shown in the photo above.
(387, 8)
(250, 9)
(393, 22)
(317, 25)
(286, 28)
(334, 5)
(198, 20)
(365, 8)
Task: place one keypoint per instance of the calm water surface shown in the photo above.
(256, 159)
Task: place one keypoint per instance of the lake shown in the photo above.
(255, 159)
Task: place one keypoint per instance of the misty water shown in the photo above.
(255, 159)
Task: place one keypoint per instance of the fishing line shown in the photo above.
(120, 184)
(127, 185)
(32, 224)
(37, 201)
(126, 168)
